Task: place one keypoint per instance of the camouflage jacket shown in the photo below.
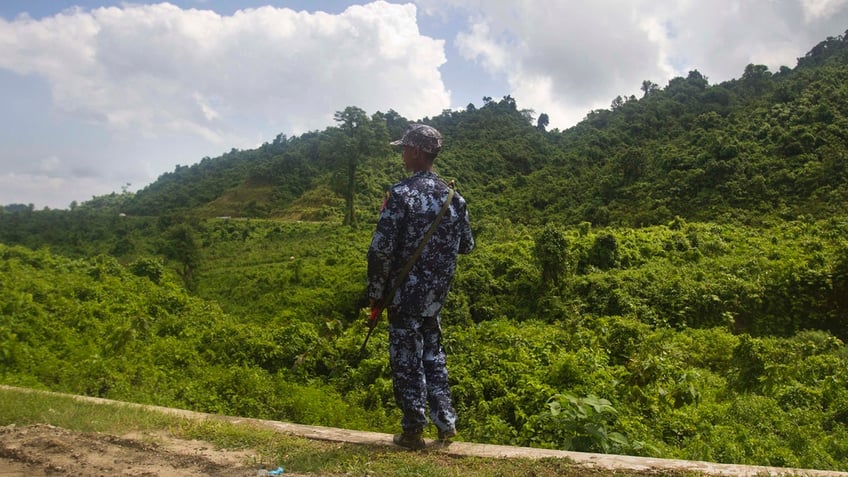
(412, 205)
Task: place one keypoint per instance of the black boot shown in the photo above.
(410, 439)
(446, 436)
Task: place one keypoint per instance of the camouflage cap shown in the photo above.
(421, 136)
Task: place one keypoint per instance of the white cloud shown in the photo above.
(562, 58)
(479, 44)
(814, 9)
(566, 57)
(156, 68)
(158, 74)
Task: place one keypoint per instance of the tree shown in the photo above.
(604, 253)
(395, 123)
(361, 137)
(649, 87)
(698, 80)
(181, 244)
(757, 78)
(553, 253)
(617, 103)
(508, 102)
(352, 121)
(542, 122)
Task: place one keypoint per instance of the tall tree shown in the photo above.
(352, 122)
(362, 137)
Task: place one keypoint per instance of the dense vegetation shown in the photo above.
(667, 278)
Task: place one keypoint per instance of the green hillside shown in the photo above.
(667, 278)
(769, 145)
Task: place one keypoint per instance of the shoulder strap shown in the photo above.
(414, 258)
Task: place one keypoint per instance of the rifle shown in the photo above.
(377, 310)
(372, 323)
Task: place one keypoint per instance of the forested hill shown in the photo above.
(768, 145)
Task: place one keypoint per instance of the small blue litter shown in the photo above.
(277, 471)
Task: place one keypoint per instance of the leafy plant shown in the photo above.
(583, 424)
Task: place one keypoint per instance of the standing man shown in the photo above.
(416, 355)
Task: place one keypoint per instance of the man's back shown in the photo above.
(412, 206)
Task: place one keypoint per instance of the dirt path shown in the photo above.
(42, 450)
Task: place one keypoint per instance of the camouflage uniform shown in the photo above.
(416, 355)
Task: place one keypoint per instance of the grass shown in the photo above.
(296, 454)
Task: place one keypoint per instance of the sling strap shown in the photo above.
(414, 258)
(375, 312)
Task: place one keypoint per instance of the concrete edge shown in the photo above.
(467, 449)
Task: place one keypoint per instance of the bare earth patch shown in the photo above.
(43, 450)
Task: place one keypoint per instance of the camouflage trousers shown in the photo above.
(419, 372)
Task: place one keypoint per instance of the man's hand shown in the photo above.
(373, 317)
(375, 313)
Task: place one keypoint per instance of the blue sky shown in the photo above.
(101, 96)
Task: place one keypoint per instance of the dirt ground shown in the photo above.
(42, 450)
